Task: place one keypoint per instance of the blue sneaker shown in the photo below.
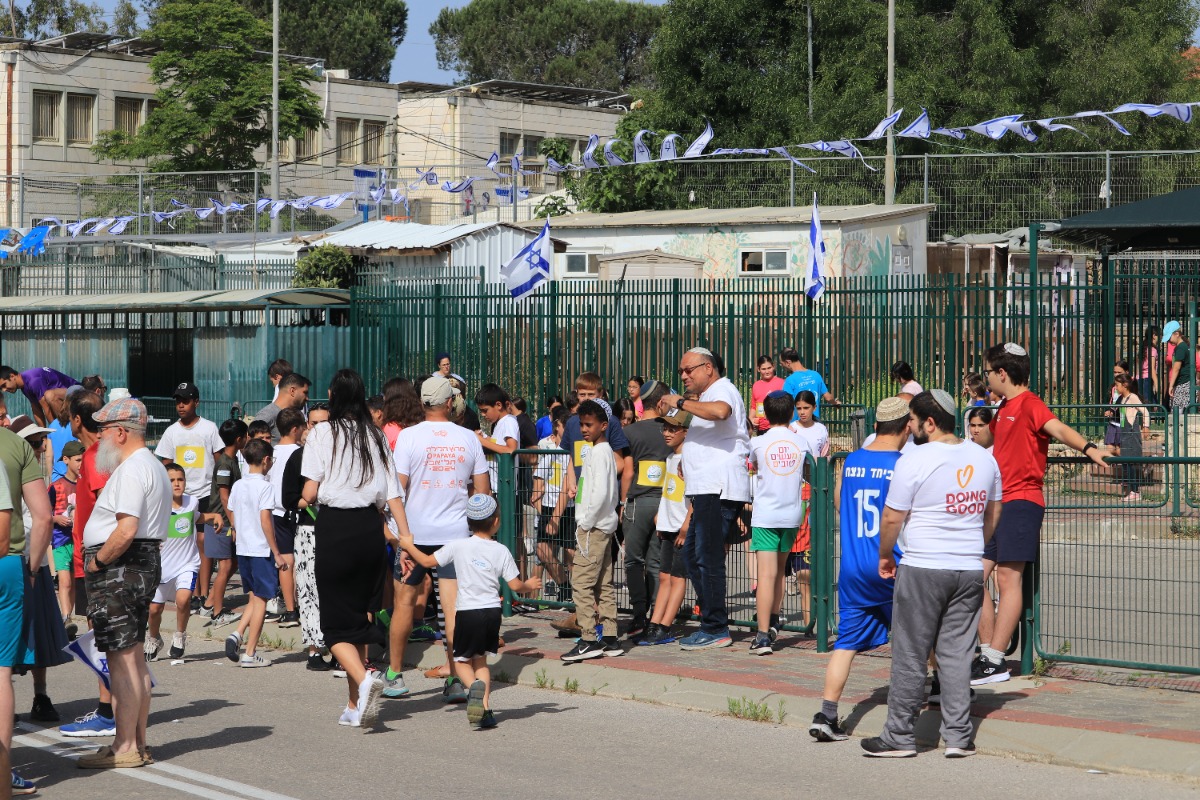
(700, 640)
(22, 786)
(423, 633)
(88, 726)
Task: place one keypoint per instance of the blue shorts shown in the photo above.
(12, 611)
(259, 576)
(1018, 534)
(218, 546)
(862, 629)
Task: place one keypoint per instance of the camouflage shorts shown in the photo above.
(119, 595)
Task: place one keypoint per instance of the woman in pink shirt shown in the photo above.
(1147, 366)
(767, 382)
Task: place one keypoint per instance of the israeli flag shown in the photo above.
(696, 148)
(918, 128)
(641, 153)
(884, 126)
(589, 153)
(814, 284)
(530, 267)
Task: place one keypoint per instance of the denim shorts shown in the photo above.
(119, 595)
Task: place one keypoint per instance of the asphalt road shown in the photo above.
(221, 732)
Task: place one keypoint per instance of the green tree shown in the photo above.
(43, 19)
(599, 44)
(356, 35)
(325, 267)
(214, 92)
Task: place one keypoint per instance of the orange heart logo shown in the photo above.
(964, 476)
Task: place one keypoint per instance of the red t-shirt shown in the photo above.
(760, 390)
(86, 490)
(1021, 446)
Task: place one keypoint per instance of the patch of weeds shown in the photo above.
(596, 689)
(780, 713)
(745, 708)
(1041, 666)
(541, 681)
(571, 685)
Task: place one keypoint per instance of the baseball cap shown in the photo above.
(890, 409)
(437, 389)
(677, 417)
(944, 400)
(481, 506)
(186, 391)
(128, 411)
(1170, 329)
(72, 448)
(24, 426)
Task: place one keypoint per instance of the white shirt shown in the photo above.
(481, 566)
(279, 460)
(342, 477)
(672, 508)
(778, 458)
(596, 498)
(504, 429)
(907, 448)
(714, 452)
(817, 436)
(440, 459)
(946, 489)
(180, 553)
(248, 498)
(551, 469)
(192, 448)
(912, 387)
(140, 488)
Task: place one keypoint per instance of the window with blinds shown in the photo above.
(285, 149)
(128, 115)
(373, 147)
(46, 107)
(308, 147)
(79, 118)
(509, 143)
(347, 141)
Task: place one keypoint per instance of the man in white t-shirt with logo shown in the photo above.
(193, 442)
(439, 465)
(718, 485)
(949, 491)
(123, 568)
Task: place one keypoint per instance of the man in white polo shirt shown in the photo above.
(122, 568)
(949, 491)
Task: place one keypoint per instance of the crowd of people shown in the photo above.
(370, 522)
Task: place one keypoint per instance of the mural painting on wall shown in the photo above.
(864, 254)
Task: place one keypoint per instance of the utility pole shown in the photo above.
(810, 62)
(889, 168)
(275, 110)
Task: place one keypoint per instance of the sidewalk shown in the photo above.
(1088, 724)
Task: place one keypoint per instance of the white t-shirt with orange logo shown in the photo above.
(439, 459)
(778, 460)
(945, 488)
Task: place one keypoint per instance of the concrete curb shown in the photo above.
(1127, 753)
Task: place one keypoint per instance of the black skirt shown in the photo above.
(350, 566)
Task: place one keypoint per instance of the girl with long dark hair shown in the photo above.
(348, 471)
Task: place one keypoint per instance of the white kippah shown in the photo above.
(481, 506)
(1014, 349)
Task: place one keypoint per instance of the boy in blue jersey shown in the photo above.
(864, 598)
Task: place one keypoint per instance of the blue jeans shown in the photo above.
(713, 520)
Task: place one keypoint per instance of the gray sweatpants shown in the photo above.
(932, 608)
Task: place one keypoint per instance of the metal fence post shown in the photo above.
(1035, 364)
(140, 209)
(819, 526)
(791, 184)
(925, 184)
(1108, 193)
(506, 495)
(1030, 598)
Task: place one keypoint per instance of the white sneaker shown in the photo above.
(252, 661)
(349, 718)
(369, 692)
(152, 646)
(274, 606)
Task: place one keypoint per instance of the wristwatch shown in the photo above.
(679, 403)
(99, 564)
(1089, 446)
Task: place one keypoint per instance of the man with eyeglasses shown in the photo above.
(718, 484)
(95, 384)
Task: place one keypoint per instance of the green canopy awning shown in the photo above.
(1167, 222)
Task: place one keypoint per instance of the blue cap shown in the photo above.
(1170, 328)
(481, 506)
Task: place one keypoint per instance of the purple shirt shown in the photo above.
(40, 380)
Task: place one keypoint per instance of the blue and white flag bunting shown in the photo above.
(884, 126)
(530, 267)
(814, 282)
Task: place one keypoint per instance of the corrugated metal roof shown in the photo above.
(758, 215)
(399, 237)
(238, 300)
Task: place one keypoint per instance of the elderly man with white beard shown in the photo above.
(122, 565)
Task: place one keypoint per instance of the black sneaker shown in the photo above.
(966, 751)
(761, 646)
(272, 617)
(43, 710)
(637, 626)
(824, 729)
(875, 747)
(487, 722)
(984, 671)
(289, 619)
(612, 647)
(317, 664)
(197, 602)
(584, 650)
(651, 636)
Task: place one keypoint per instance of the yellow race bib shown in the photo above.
(556, 473)
(651, 473)
(189, 456)
(582, 448)
(673, 487)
